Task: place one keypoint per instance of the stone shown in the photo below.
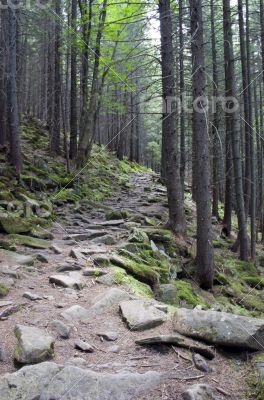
(114, 349)
(69, 267)
(141, 315)
(12, 258)
(114, 222)
(93, 272)
(100, 386)
(107, 280)
(32, 296)
(83, 346)
(15, 224)
(41, 233)
(101, 260)
(75, 254)
(88, 234)
(200, 363)
(28, 382)
(10, 310)
(101, 304)
(108, 240)
(29, 241)
(62, 329)
(113, 215)
(220, 328)
(55, 249)
(109, 336)
(72, 280)
(5, 303)
(179, 342)
(34, 345)
(167, 293)
(200, 392)
(138, 236)
(42, 258)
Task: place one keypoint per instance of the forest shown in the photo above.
(131, 199)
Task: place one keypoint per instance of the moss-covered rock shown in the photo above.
(256, 282)
(159, 234)
(138, 288)
(4, 290)
(15, 224)
(113, 215)
(141, 271)
(138, 236)
(186, 294)
(29, 241)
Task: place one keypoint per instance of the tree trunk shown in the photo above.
(173, 181)
(73, 106)
(13, 113)
(233, 128)
(204, 256)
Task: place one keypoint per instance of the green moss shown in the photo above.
(3, 290)
(5, 195)
(185, 293)
(138, 288)
(254, 281)
(141, 271)
(113, 215)
(29, 241)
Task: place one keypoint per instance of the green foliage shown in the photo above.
(3, 290)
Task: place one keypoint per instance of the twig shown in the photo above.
(220, 390)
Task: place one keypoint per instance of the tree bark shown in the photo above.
(171, 158)
(205, 255)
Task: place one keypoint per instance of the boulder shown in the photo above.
(220, 328)
(28, 382)
(138, 236)
(34, 345)
(141, 315)
(15, 224)
(32, 296)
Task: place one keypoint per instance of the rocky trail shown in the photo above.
(89, 335)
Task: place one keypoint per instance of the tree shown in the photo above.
(12, 99)
(233, 128)
(204, 256)
(171, 157)
(73, 105)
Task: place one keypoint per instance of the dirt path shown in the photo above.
(229, 370)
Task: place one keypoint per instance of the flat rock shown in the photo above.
(88, 234)
(179, 342)
(69, 267)
(72, 280)
(101, 304)
(200, 392)
(5, 303)
(141, 315)
(108, 240)
(114, 222)
(220, 328)
(34, 345)
(12, 309)
(49, 381)
(32, 296)
(83, 346)
(29, 241)
(62, 329)
(12, 258)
